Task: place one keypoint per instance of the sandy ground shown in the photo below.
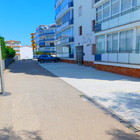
(40, 106)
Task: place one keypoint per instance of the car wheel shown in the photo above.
(41, 61)
(56, 60)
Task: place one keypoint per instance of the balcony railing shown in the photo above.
(96, 1)
(47, 49)
(69, 5)
(65, 40)
(122, 18)
(43, 40)
(51, 33)
(128, 57)
(70, 22)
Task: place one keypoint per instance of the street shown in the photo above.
(40, 106)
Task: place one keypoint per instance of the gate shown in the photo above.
(79, 55)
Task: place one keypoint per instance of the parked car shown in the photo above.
(36, 56)
(47, 58)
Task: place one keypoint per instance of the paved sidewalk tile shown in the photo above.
(119, 93)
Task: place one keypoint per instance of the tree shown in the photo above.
(3, 47)
(7, 52)
(10, 52)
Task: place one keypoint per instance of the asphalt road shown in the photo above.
(40, 106)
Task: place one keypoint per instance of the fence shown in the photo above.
(7, 62)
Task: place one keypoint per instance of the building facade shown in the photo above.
(26, 52)
(84, 28)
(64, 18)
(45, 39)
(33, 41)
(16, 45)
(117, 34)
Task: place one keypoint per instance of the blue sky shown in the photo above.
(19, 18)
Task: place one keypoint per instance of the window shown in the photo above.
(136, 2)
(93, 25)
(109, 43)
(115, 43)
(122, 45)
(106, 10)
(80, 30)
(125, 4)
(80, 11)
(100, 44)
(138, 41)
(115, 7)
(126, 41)
(129, 41)
(99, 13)
(51, 44)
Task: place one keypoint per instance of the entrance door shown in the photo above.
(79, 55)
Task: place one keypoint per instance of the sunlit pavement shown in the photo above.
(40, 106)
(119, 93)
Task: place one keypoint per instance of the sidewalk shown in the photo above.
(41, 106)
(119, 93)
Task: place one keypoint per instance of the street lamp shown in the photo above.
(1, 73)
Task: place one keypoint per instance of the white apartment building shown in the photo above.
(45, 38)
(118, 36)
(64, 33)
(84, 28)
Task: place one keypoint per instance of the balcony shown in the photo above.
(45, 34)
(70, 22)
(120, 19)
(57, 2)
(50, 39)
(64, 10)
(96, 1)
(44, 40)
(47, 49)
(66, 40)
(130, 57)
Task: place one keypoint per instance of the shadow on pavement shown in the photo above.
(29, 67)
(66, 70)
(122, 102)
(121, 135)
(10, 134)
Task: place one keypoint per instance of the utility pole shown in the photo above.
(1, 73)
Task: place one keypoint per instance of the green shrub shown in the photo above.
(7, 52)
(42, 53)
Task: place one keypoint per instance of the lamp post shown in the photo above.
(1, 73)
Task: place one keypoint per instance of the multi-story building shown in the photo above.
(84, 28)
(15, 45)
(118, 36)
(33, 41)
(65, 32)
(45, 39)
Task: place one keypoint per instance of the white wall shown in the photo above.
(88, 14)
(26, 52)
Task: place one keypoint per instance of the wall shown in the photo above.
(85, 20)
(26, 52)
(134, 72)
